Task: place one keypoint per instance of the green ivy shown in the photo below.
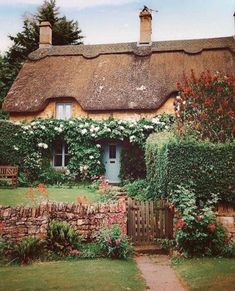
(209, 167)
(27, 144)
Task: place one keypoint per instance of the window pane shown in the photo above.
(58, 161)
(65, 148)
(60, 111)
(112, 151)
(58, 148)
(66, 160)
(68, 111)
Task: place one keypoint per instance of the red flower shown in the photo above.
(211, 227)
(170, 206)
(117, 242)
(180, 223)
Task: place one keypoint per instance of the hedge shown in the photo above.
(171, 162)
(9, 137)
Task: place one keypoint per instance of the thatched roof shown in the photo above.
(116, 76)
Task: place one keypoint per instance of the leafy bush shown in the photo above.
(205, 106)
(166, 244)
(5, 248)
(229, 250)
(113, 244)
(10, 135)
(28, 250)
(132, 163)
(62, 239)
(51, 176)
(171, 162)
(90, 251)
(197, 232)
(137, 189)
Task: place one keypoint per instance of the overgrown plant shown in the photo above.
(27, 250)
(62, 239)
(205, 106)
(137, 189)
(33, 142)
(197, 231)
(113, 243)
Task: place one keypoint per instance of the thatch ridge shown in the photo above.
(123, 77)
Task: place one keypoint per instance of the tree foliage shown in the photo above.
(205, 106)
(65, 32)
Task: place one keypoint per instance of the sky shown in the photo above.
(112, 21)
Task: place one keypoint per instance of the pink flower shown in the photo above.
(180, 223)
(117, 242)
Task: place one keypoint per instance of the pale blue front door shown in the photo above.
(111, 159)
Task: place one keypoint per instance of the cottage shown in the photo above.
(123, 81)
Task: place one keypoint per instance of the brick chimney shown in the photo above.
(45, 35)
(145, 26)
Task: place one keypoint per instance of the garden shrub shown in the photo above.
(209, 167)
(28, 250)
(62, 239)
(205, 106)
(137, 189)
(229, 250)
(197, 231)
(90, 251)
(5, 248)
(132, 163)
(166, 244)
(10, 134)
(113, 243)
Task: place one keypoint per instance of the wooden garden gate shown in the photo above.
(148, 221)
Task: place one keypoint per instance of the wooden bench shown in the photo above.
(9, 174)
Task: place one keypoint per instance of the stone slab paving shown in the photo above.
(158, 274)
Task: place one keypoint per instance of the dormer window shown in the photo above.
(63, 110)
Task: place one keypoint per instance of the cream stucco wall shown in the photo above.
(77, 111)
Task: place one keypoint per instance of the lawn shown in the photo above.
(100, 274)
(64, 194)
(207, 273)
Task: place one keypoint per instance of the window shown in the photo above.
(63, 110)
(60, 155)
(112, 151)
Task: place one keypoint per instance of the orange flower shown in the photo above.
(211, 227)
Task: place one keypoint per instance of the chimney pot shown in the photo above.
(45, 35)
(145, 26)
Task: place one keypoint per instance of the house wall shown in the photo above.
(77, 111)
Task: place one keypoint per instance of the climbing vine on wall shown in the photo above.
(34, 141)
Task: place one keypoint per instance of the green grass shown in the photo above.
(207, 273)
(19, 195)
(99, 275)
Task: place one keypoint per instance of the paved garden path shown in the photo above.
(158, 273)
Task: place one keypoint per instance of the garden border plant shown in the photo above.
(197, 231)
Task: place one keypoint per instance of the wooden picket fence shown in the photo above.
(148, 221)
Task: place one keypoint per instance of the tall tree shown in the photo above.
(64, 32)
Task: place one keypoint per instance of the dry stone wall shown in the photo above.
(19, 222)
(226, 216)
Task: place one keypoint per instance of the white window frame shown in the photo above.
(63, 158)
(64, 104)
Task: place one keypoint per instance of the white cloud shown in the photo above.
(80, 4)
